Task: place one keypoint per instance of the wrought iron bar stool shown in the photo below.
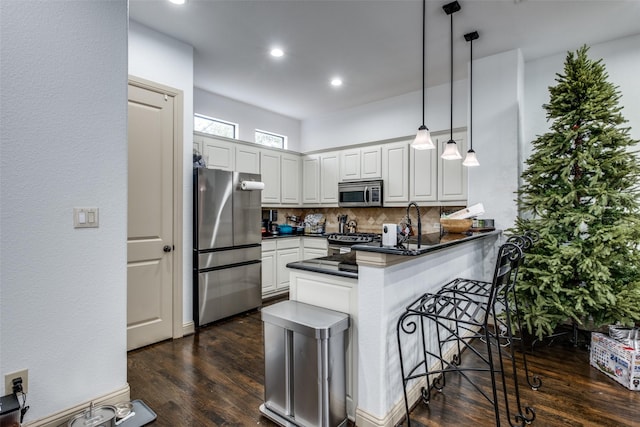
(461, 315)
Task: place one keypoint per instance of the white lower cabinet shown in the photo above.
(340, 294)
(276, 254)
(314, 247)
(269, 279)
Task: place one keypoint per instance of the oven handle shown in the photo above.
(366, 195)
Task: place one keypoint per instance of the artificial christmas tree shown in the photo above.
(580, 193)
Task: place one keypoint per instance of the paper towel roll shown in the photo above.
(252, 185)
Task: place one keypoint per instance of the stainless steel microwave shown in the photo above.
(360, 194)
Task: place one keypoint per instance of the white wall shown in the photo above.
(64, 145)
(497, 90)
(390, 118)
(161, 59)
(621, 59)
(248, 117)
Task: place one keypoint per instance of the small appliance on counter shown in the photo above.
(389, 235)
(342, 224)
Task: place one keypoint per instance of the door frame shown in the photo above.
(177, 253)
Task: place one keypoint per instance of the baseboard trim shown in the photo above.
(188, 328)
(63, 417)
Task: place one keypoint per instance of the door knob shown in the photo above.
(167, 248)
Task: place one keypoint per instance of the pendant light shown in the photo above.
(451, 149)
(471, 159)
(423, 137)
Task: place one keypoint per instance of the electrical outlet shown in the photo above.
(8, 381)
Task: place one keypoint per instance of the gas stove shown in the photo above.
(352, 238)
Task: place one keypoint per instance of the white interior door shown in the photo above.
(150, 218)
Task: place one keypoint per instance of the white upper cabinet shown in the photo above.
(423, 176)
(320, 178)
(395, 173)
(350, 164)
(218, 154)
(311, 178)
(361, 163)
(452, 175)
(247, 159)
(371, 164)
(329, 174)
(291, 173)
(270, 173)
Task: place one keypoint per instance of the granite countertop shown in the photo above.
(343, 265)
(429, 243)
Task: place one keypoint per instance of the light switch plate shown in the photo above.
(85, 217)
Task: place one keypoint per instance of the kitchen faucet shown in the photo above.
(419, 220)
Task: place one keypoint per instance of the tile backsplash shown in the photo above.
(370, 220)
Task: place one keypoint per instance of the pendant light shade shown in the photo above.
(423, 137)
(471, 159)
(451, 150)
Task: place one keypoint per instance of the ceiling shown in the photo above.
(374, 45)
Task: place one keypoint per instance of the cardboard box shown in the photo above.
(616, 360)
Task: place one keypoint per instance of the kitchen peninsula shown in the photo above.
(387, 280)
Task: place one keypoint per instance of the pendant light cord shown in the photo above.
(471, 95)
(424, 15)
(451, 88)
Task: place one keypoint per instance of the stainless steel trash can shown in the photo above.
(304, 354)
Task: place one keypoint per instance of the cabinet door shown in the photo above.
(268, 272)
(423, 175)
(247, 159)
(395, 172)
(311, 179)
(284, 257)
(270, 171)
(329, 177)
(370, 163)
(290, 189)
(218, 154)
(452, 176)
(350, 164)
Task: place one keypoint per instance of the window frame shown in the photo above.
(235, 126)
(284, 138)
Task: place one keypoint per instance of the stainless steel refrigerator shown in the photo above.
(226, 244)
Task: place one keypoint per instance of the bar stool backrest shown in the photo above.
(509, 258)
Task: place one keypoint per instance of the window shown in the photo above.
(213, 126)
(271, 139)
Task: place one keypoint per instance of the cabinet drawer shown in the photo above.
(315, 242)
(268, 245)
(286, 243)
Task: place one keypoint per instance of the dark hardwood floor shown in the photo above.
(215, 378)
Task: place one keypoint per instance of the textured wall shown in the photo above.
(64, 144)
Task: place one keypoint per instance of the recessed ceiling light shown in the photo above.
(178, 1)
(277, 52)
(336, 81)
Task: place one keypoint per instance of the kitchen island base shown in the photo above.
(386, 284)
